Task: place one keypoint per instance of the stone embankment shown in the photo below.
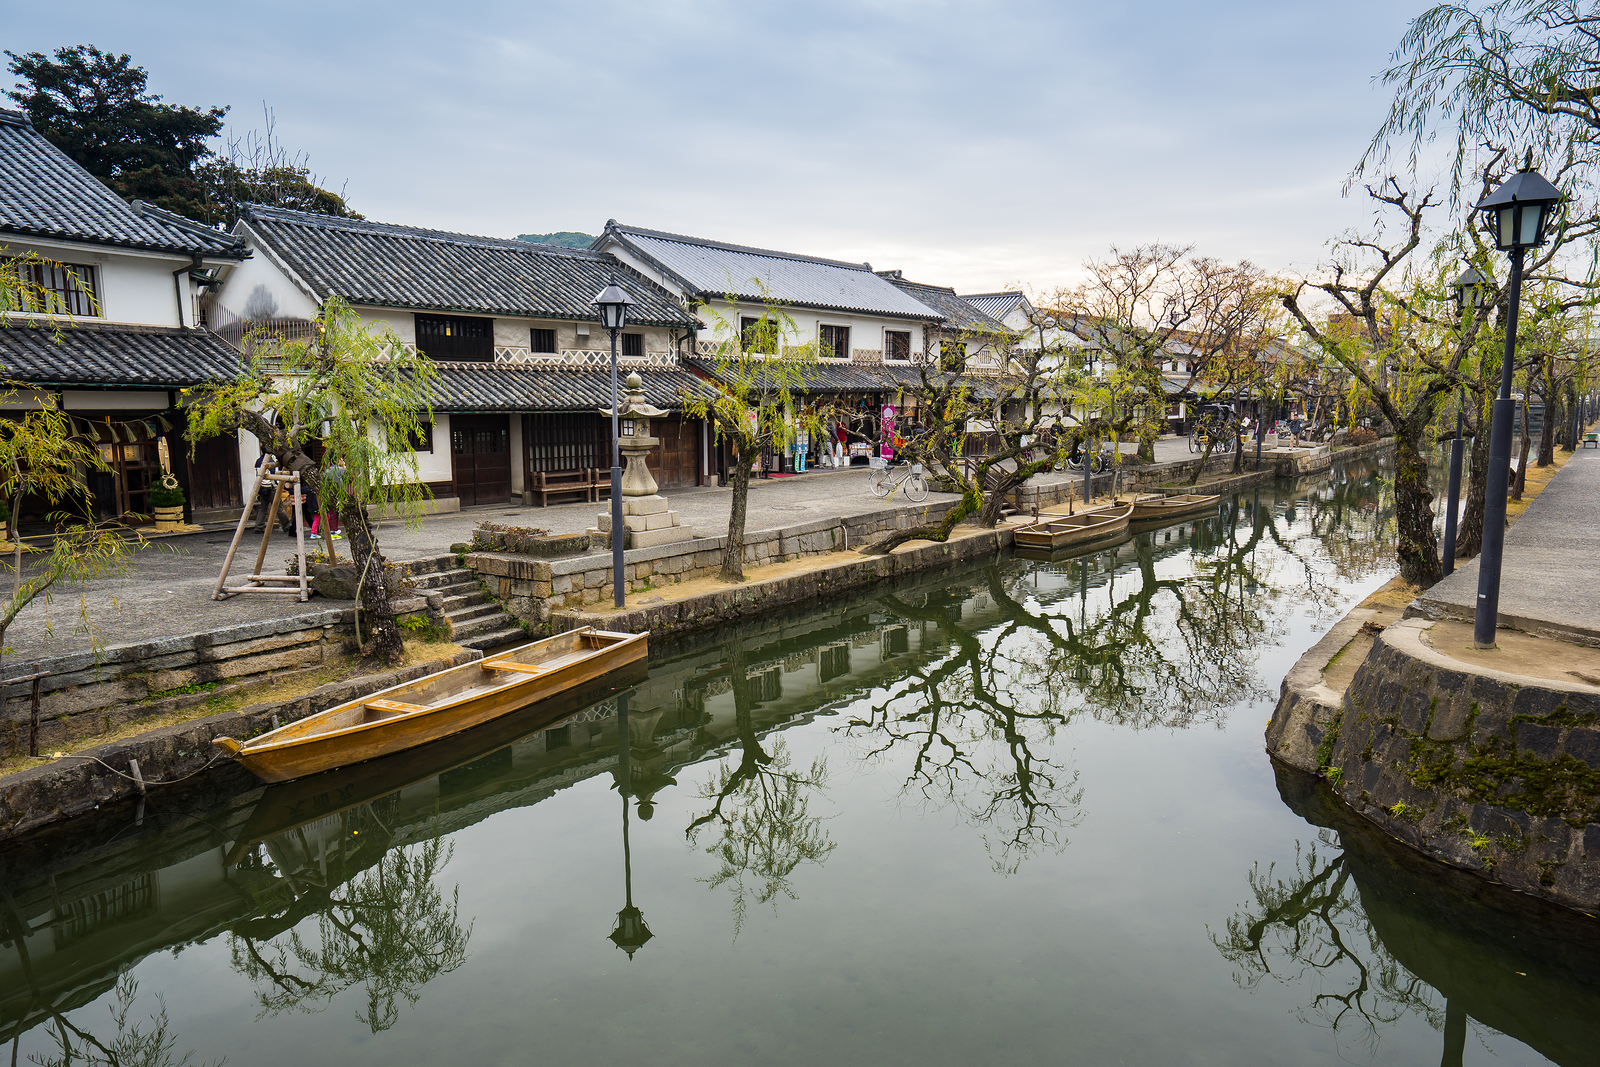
(1486, 760)
(81, 782)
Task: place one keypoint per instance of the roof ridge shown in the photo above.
(728, 246)
(1000, 292)
(267, 212)
(145, 209)
(9, 117)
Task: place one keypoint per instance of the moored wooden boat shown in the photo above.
(1064, 531)
(427, 709)
(1171, 507)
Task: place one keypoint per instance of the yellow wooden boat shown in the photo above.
(1064, 531)
(1171, 507)
(427, 709)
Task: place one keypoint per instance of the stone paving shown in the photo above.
(169, 589)
(1552, 558)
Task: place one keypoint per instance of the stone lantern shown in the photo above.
(645, 516)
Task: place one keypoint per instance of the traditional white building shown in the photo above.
(119, 336)
(523, 366)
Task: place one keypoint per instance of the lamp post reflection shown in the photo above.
(630, 932)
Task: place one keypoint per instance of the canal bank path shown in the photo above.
(1552, 556)
(168, 590)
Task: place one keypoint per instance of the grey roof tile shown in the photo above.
(387, 265)
(43, 193)
(162, 357)
(994, 305)
(958, 313)
(714, 268)
(541, 387)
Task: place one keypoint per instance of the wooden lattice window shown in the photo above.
(896, 344)
(542, 340)
(455, 338)
(633, 344)
(59, 289)
(836, 341)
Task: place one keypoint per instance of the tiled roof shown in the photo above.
(381, 264)
(995, 305)
(43, 193)
(163, 357)
(713, 268)
(958, 313)
(846, 377)
(536, 387)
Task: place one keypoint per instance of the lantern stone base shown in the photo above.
(647, 521)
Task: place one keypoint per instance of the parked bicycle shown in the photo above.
(1215, 424)
(906, 477)
(1100, 462)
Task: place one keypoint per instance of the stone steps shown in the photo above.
(476, 620)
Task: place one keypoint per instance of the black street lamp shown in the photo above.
(613, 305)
(1469, 297)
(1516, 214)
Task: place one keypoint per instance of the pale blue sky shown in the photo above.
(970, 144)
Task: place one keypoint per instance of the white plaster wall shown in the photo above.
(287, 298)
(112, 400)
(866, 331)
(435, 466)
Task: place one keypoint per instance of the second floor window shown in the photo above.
(633, 344)
(58, 289)
(543, 340)
(835, 341)
(455, 338)
(758, 335)
(896, 344)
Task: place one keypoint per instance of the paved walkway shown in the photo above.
(1552, 558)
(169, 589)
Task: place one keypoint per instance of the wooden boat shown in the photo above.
(1171, 507)
(1061, 555)
(427, 709)
(286, 805)
(1064, 531)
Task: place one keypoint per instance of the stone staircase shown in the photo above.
(476, 621)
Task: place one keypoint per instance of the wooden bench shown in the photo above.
(383, 709)
(521, 668)
(584, 481)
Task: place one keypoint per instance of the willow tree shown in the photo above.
(43, 458)
(754, 401)
(351, 391)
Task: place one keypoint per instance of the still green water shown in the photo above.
(1011, 814)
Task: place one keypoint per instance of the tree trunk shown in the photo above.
(1522, 460)
(971, 502)
(377, 612)
(1469, 533)
(1211, 442)
(1418, 548)
(1547, 436)
(733, 553)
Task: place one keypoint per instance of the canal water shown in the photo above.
(1012, 814)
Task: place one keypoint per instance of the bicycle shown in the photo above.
(906, 476)
(1099, 463)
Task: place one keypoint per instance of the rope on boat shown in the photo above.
(140, 780)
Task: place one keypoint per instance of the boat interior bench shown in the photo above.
(383, 709)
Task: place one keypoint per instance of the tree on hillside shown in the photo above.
(352, 392)
(753, 402)
(94, 106)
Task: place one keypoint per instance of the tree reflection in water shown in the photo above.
(761, 810)
(389, 926)
(1312, 926)
(135, 1045)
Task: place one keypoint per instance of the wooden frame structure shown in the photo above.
(257, 582)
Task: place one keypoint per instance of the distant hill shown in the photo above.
(564, 238)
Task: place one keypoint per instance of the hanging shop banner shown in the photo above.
(886, 431)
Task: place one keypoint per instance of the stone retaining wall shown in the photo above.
(535, 589)
(1495, 773)
(83, 781)
(754, 598)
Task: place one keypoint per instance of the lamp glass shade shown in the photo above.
(612, 303)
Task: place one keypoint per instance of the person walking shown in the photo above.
(1296, 424)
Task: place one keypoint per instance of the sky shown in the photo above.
(979, 145)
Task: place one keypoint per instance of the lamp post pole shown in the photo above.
(613, 304)
(1516, 214)
(1494, 505)
(1469, 296)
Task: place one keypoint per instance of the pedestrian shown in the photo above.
(1296, 424)
(264, 497)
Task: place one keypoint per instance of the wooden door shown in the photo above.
(213, 474)
(480, 455)
(676, 461)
